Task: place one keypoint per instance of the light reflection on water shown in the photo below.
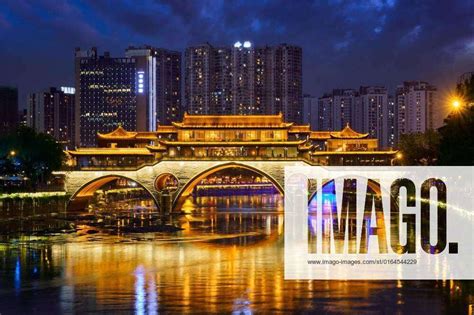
(224, 261)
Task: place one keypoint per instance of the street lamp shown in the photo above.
(12, 153)
(456, 104)
(398, 157)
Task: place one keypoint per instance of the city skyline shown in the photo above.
(372, 40)
(244, 79)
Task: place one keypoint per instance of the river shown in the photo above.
(228, 259)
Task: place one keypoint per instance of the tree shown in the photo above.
(457, 143)
(34, 155)
(420, 148)
(465, 89)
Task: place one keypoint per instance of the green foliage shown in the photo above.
(420, 148)
(36, 155)
(48, 196)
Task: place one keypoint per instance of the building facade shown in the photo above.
(344, 108)
(337, 109)
(23, 117)
(392, 123)
(8, 109)
(287, 78)
(374, 118)
(230, 137)
(367, 109)
(200, 79)
(137, 91)
(244, 80)
(310, 111)
(325, 113)
(244, 100)
(52, 112)
(163, 69)
(415, 103)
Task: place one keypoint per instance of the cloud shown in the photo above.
(345, 43)
(412, 35)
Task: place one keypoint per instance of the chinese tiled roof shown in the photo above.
(119, 133)
(232, 121)
(346, 133)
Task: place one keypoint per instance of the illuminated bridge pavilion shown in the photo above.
(201, 145)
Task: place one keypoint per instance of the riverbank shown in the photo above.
(30, 204)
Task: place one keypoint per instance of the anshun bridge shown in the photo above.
(184, 154)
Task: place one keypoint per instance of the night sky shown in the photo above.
(345, 43)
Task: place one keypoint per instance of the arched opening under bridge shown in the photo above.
(231, 187)
(114, 194)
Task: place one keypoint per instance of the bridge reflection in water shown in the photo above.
(224, 260)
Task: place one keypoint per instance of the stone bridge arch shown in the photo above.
(184, 170)
(186, 190)
(82, 195)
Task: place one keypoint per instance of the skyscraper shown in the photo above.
(221, 93)
(8, 108)
(415, 103)
(52, 111)
(374, 118)
(343, 106)
(392, 122)
(106, 95)
(310, 111)
(325, 113)
(244, 80)
(200, 79)
(164, 69)
(137, 91)
(337, 109)
(286, 81)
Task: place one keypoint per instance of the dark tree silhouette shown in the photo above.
(420, 148)
(457, 135)
(28, 153)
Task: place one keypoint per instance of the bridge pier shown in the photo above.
(165, 203)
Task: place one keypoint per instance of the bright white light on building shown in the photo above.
(68, 90)
(247, 44)
(141, 80)
(238, 45)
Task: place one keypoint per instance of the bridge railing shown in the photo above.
(116, 167)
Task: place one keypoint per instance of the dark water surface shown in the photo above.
(227, 260)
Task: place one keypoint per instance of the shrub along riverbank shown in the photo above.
(31, 204)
